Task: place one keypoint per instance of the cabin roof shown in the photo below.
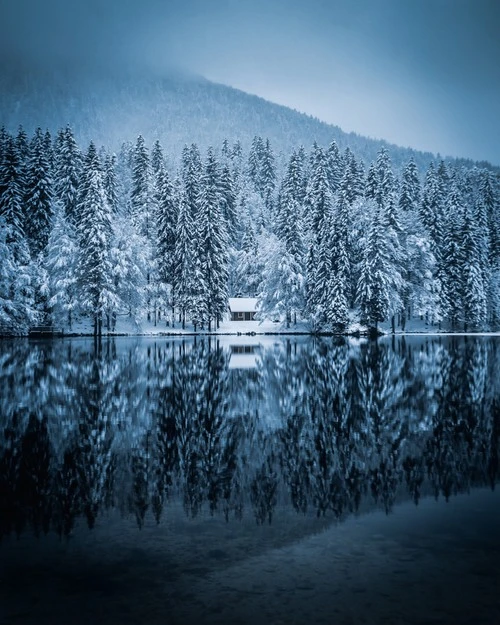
(243, 304)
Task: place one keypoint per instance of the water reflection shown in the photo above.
(321, 426)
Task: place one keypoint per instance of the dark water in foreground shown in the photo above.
(159, 481)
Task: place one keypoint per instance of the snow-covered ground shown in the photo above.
(126, 326)
(129, 327)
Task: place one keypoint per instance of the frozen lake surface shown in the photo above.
(250, 481)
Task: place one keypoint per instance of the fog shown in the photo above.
(420, 73)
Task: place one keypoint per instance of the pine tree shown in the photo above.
(319, 196)
(409, 198)
(453, 260)
(110, 182)
(11, 191)
(282, 282)
(141, 196)
(167, 208)
(474, 283)
(255, 157)
(335, 166)
(38, 195)
(340, 278)
(191, 176)
(228, 201)
(157, 159)
(94, 270)
(68, 165)
(267, 175)
(8, 311)
(129, 256)
(61, 265)
(212, 241)
(379, 281)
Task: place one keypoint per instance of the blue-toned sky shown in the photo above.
(420, 73)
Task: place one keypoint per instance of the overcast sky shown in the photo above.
(419, 73)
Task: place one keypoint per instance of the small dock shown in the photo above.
(44, 332)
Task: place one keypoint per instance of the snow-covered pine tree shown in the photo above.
(167, 207)
(68, 166)
(228, 202)
(11, 192)
(61, 264)
(410, 193)
(184, 276)
(452, 259)
(379, 282)
(282, 282)
(110, 182)
(255, 157)
(352, 181)
(8, 311)
(213, 242)
(268, 175)
(157, 158)
(94, 269)
(335, 166)
(38, 195)
(130, 256)
(284, 271)
(247, 274)
(340, 279)
(318, 203)
(141, 194)
(191, 176)
(474, 281)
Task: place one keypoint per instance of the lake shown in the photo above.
(250, 480)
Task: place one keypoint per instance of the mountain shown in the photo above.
(111, 107)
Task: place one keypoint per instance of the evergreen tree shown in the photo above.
(110, 182)
(228, 201)
(38, 195)
(68, 165)
(409, 198)
(255, 157)
(61, 265)
(212, 241)
(267, 175)
(157, 159)
(141, 196)
(94, 270)
(335, 166)
(340, 278)
(453, 260)
(379, 281)
(473, 277)
(167, 208)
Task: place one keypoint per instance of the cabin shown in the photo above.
(243, 308)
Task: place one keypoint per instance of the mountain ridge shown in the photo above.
(177, 108)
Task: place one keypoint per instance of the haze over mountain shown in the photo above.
(178, 108)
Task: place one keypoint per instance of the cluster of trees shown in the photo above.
(163, 422)
(314, 236)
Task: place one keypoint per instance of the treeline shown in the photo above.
(98, 235)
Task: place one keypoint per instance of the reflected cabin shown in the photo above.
(243, 308)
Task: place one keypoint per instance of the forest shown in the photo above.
(317, 236)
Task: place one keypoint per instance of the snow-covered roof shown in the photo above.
(243, 304)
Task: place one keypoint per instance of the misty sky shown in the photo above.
(419, 73)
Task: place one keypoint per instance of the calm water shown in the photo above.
(250, 480)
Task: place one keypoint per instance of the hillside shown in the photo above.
(110, 108)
